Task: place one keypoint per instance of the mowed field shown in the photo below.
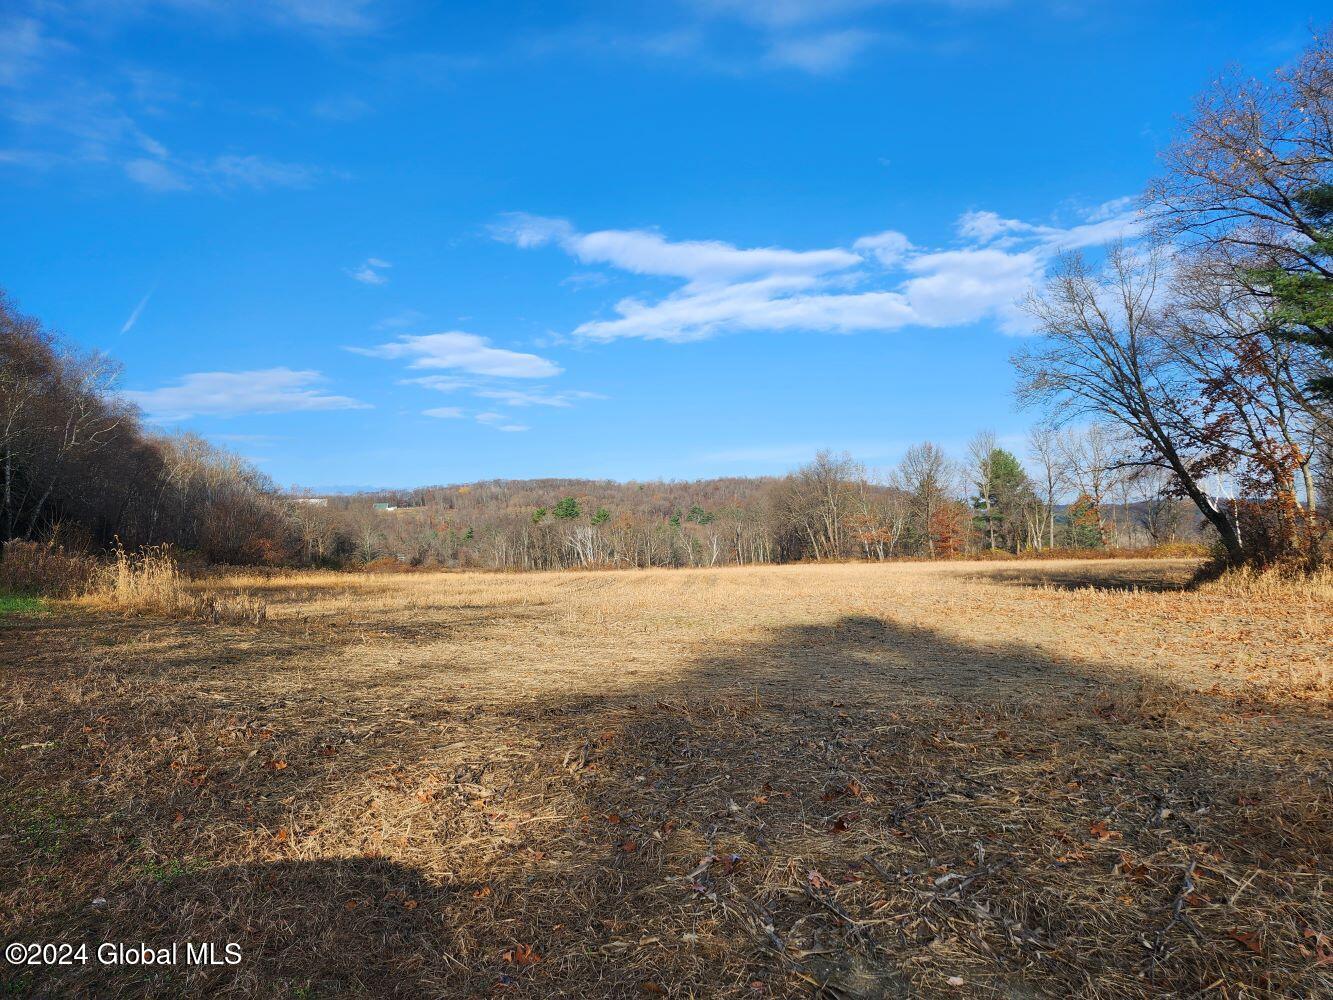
(1005, 779)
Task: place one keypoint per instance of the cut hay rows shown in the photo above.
(1008, 779)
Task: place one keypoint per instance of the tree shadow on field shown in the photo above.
(859, 809)
(1103, 575)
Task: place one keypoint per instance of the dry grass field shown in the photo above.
(970, 780)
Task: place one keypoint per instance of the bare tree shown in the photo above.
(1103, 355)
(1044, 449)
(981, 458)
(1091, 456)
(928, 478)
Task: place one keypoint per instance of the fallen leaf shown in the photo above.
(653, 988)
(630, 846)
(522, 954)
(1248, 938)
(844, 822)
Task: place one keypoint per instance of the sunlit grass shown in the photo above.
(20, 604)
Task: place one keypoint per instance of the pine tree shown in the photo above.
(568, 509)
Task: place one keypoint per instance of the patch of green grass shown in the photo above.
(20, 604)
(169, 870)
(37, 831)
(21, 985)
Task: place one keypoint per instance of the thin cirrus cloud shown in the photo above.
(500, 422)
(65, 110)
(230, 394)
(370, 272)
(881, 282)
(493, 392)
(462, 352)
(520, 397)
(782, 13)
(133, 318)
(821, 52)
(161, 172)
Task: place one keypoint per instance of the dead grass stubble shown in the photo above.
(871, 781)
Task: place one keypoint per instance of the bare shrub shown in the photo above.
(150, 580)
(146, 580)
(46, 569)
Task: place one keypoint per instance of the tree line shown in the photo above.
(77, 465)
(929, 505)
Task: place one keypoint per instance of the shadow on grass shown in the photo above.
(859, 809)
(1107, 576)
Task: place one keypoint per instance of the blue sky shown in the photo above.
(379, 242)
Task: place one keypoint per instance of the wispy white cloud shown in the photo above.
(345, 108)
(128, 325)
(444, 412)
(401, 320)
(888, 247)
(66, 109)
(783, 13)
(701, 262)
(882, 282)
(519, 397)
(500, 422)
(821, 52)
(371, 272)
(162, 172)
(229, 394)
(465, 352)
(155, 175)
(336, 15)
(307, 16)
(23, 45)
(258, 172)
(494, 391)
(442, 383)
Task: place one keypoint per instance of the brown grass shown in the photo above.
(45, 568)
(150, 581)
(970, 779)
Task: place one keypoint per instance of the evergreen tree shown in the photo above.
(568, 509)
(1303, 292)
(999, 515)
(1084, 523)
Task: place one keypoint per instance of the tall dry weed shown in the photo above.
(150, 581)
(1272, 584)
